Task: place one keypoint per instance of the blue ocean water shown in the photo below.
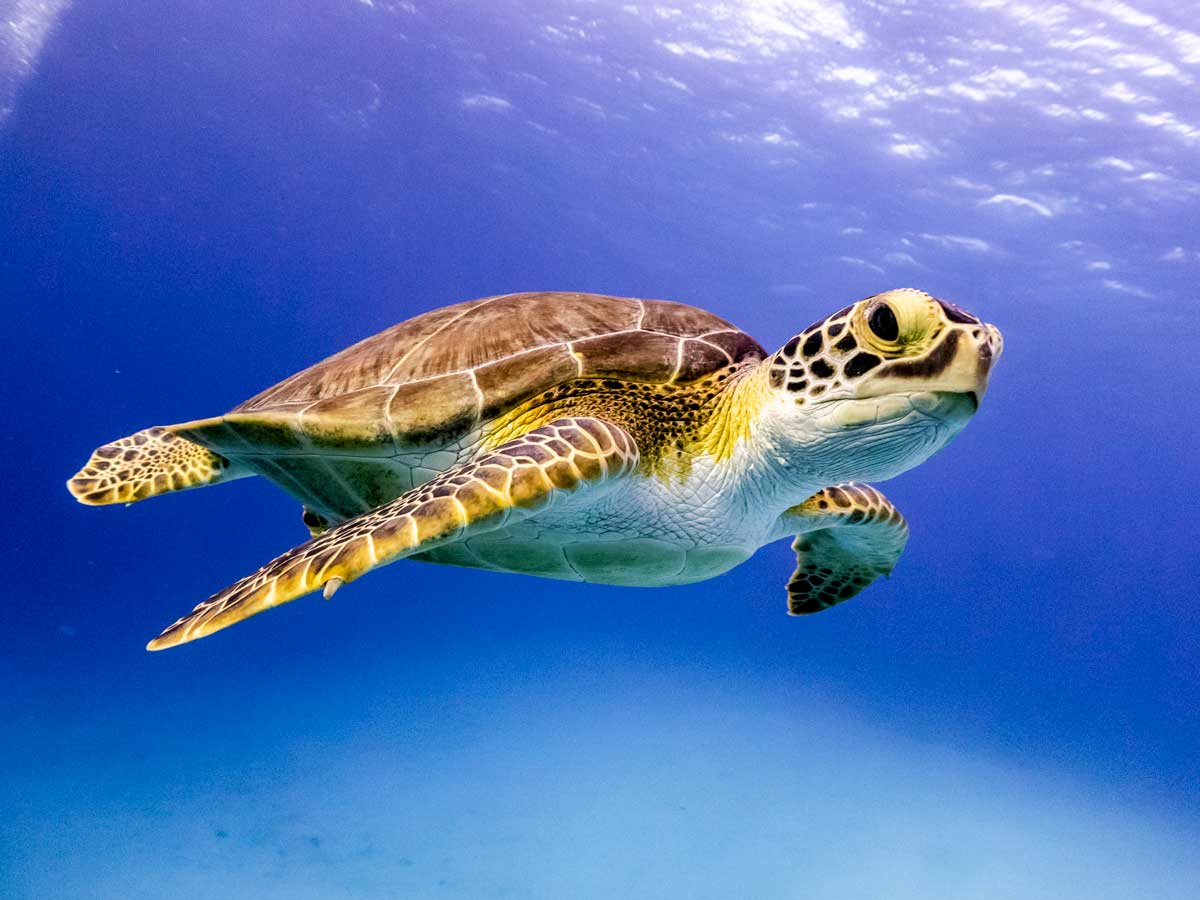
(198, 200)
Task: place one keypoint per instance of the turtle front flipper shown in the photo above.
(515, 481)
(153, 461)
(849, 535)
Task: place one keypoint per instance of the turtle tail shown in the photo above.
(152, 462)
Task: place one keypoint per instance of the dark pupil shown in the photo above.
(883, 323)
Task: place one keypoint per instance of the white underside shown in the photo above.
(641, 530)
(645, 531)
(638, 531)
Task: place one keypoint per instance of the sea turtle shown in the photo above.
(583, 437)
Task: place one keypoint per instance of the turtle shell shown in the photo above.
(436, 377)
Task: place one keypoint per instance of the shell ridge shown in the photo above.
(471, 370)
(387, 418)
(425, 340)
(577, 356)
(479, 398)
(679, 345)
(721, 350)
(432, 382)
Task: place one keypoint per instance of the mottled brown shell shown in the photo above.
(440, 374)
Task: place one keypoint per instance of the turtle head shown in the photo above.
(879, 386)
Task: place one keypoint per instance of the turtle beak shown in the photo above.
(989, 344)
(979, 345)
(995, 342)
(960, 364)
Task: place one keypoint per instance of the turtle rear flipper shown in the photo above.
(151, 462)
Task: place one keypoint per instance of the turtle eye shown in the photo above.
(882, 321)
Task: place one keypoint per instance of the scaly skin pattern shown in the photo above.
(674, 425)
(514, 481)
(151, 462)
(621, 471)
(849, 535)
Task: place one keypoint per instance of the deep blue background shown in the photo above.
(195, 205)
